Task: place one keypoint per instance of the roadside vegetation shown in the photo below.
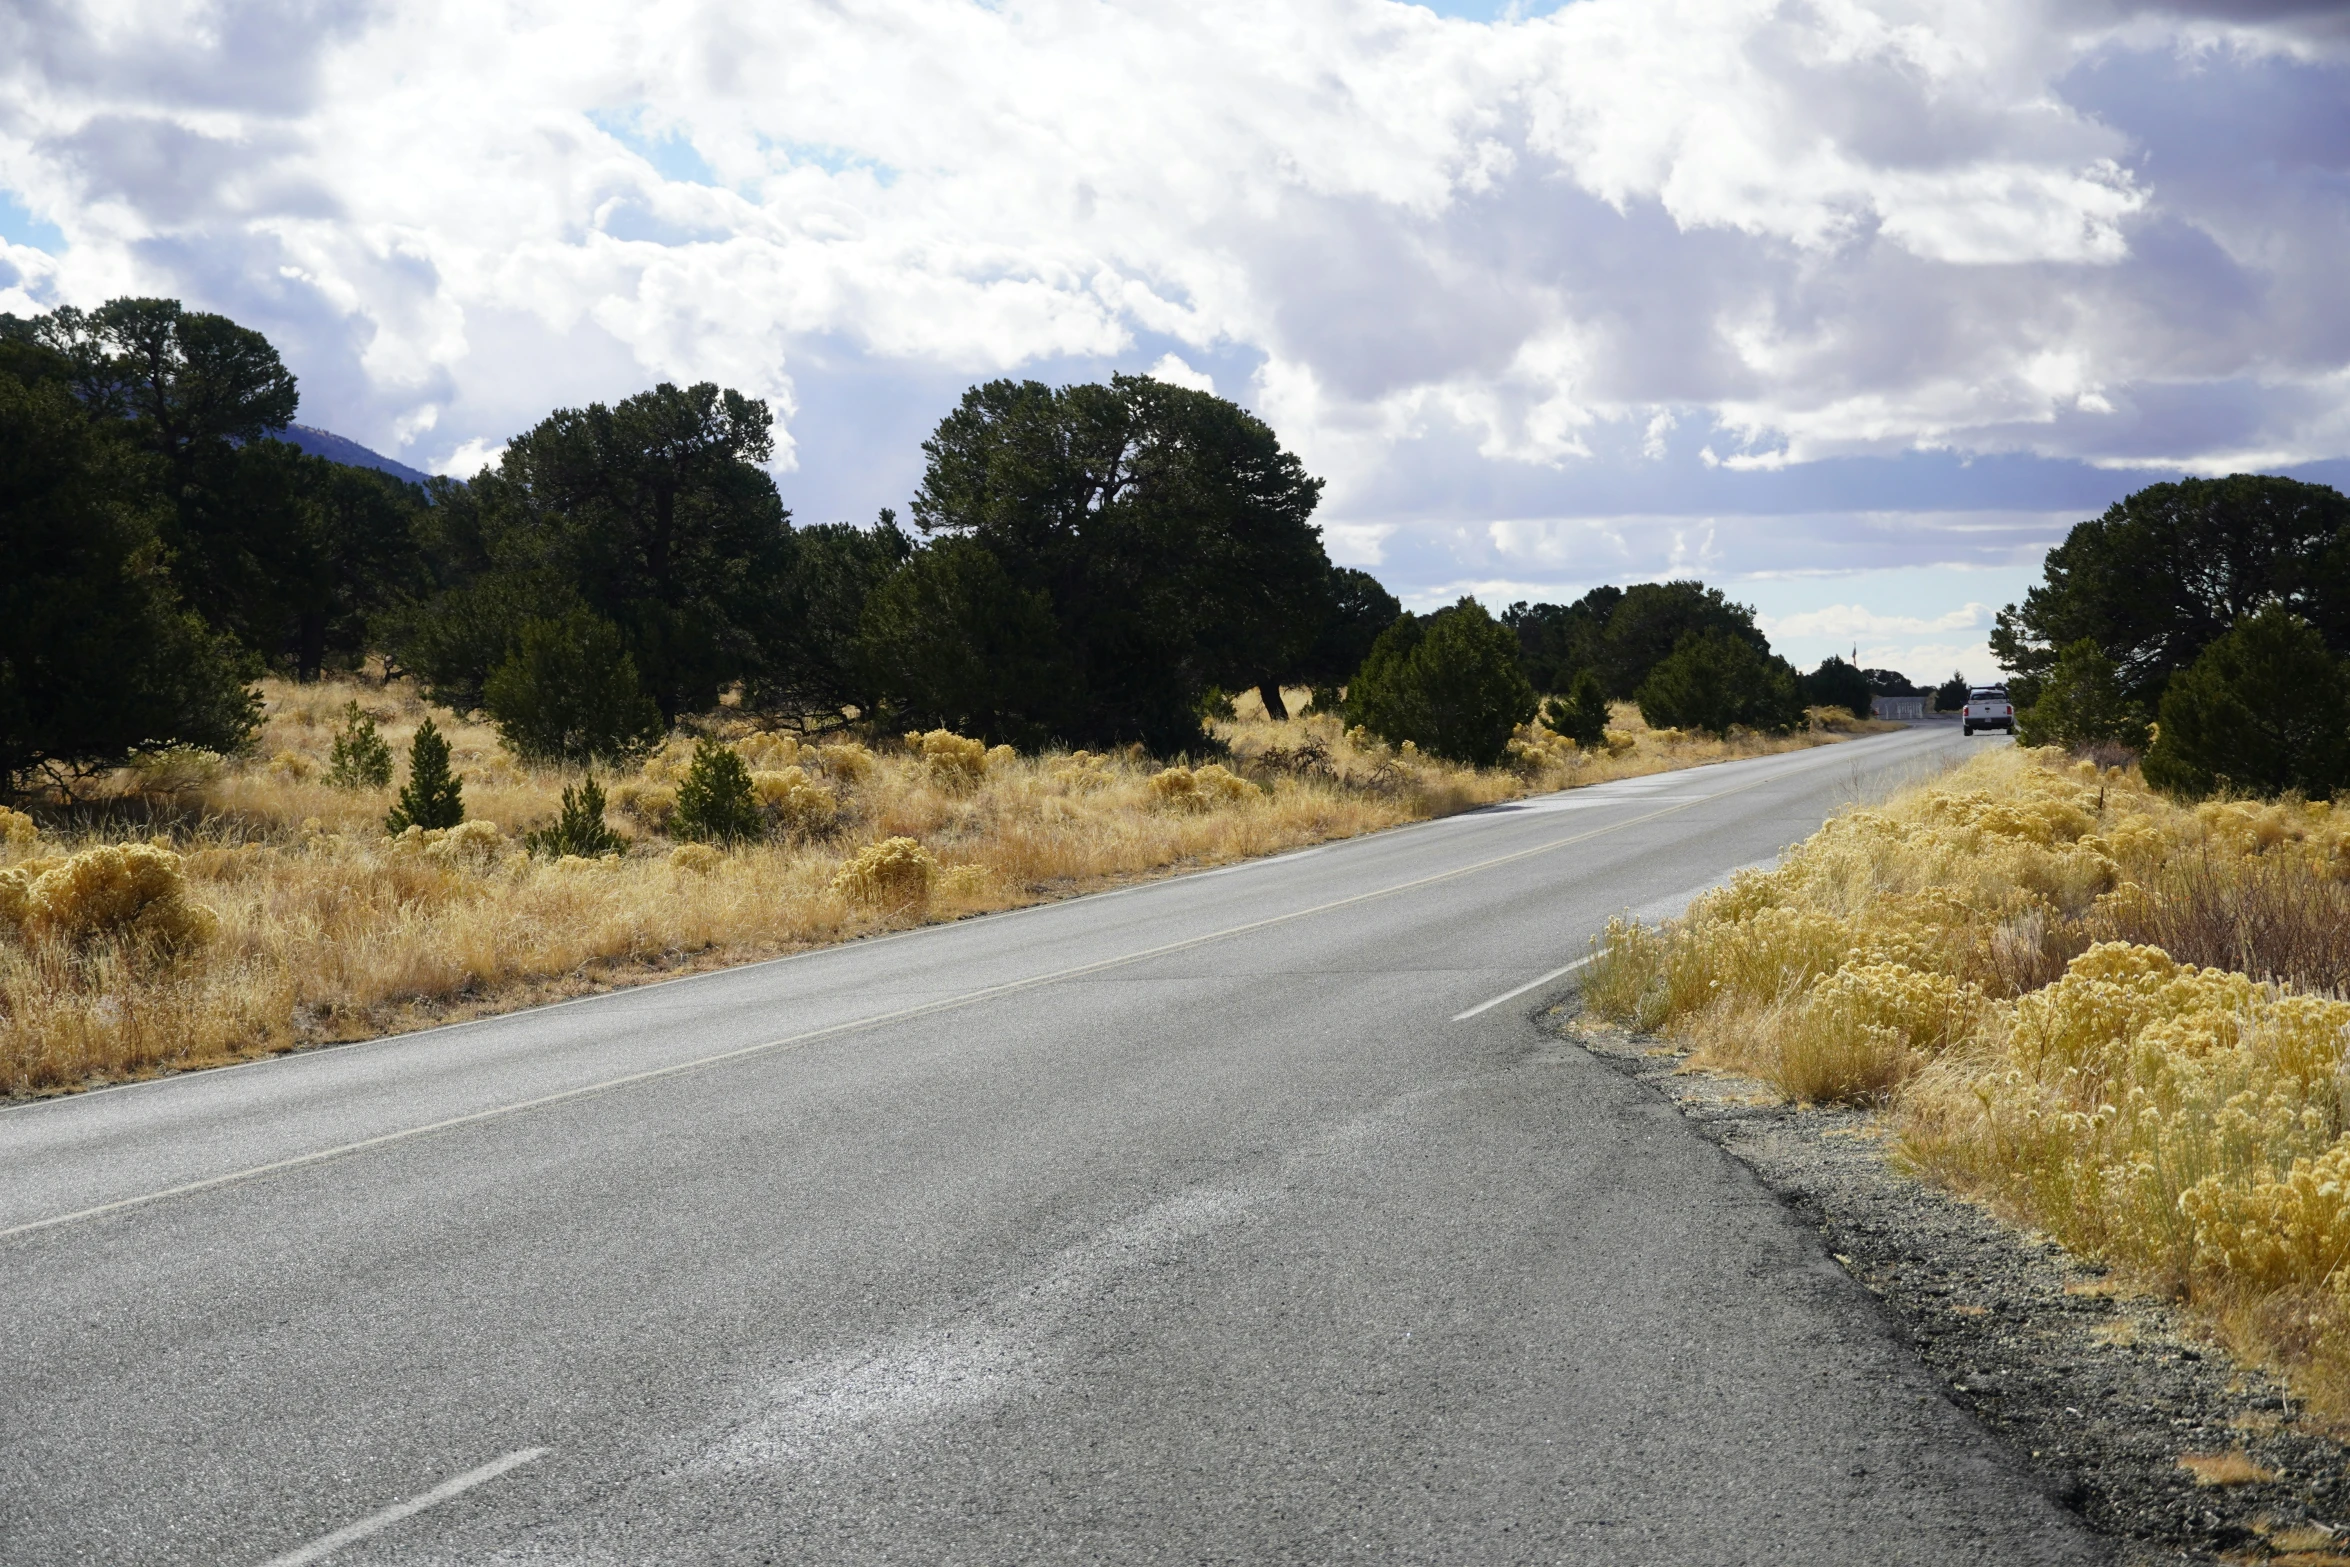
(200, 908)
(293, 751)
(2116, 1015)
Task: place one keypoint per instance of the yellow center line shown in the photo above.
(834, 1030)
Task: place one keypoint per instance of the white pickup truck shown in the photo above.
(1987, 707)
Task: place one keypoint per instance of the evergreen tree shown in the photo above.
(2169, 569)
(360, 759)
(1651, 621)
(714, 800)
(1448, 682)
(1582, 717)
(1355, 611)
(433, 796)
(99, 661)
(1713, 681)
(653, 513)
(2081, 703)
(951, 642)
(2265, 709)
(1169, 532)
(580, 829)
(1837, 683)
(569, 693)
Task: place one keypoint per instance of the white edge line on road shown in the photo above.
(375, 1523)
(1560, 972)
(902, 1014)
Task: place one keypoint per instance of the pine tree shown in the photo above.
(1583, 716)
(433, 795)
(714, 800)
(580, 829)
(360, 759)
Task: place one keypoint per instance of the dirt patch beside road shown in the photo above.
(2150, 1431)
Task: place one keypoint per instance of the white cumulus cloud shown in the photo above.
(1630, 258)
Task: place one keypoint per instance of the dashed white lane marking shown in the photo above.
(1560, 972)
(375, 1523)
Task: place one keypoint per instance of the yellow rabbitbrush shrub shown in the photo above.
(2291, 1233)
(952, 760)
(1861, 1030)
(2180, 1120)
(794, 805)
(1200, 789)
(894, 874)
(2130, 1084)
(132, 890)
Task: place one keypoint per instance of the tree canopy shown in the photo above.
(99, 661)
(2263, 709)
(1448, 682)
(654, 514)
(1166, 528)
(1716, 680)
(1838, 683)
(1623, 633)
(1092, 563)
(2168, 570)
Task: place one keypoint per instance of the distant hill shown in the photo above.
(342, 449)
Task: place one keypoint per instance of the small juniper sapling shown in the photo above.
(715, 799)
(433, 796)
(580, 829)
(360, 759)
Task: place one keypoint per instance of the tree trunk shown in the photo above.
(310, 646)
(1269, 692)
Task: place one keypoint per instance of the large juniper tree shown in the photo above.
(99, 661)
(654, 514)
(2168, 570)
(1167, 529)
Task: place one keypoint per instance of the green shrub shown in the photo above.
(2082, 703)
(2264, 709)
(715, 800)
(1713, 681)
(433, 796)
(1449, 682)
(360, 759)
(580, 829)
(569, 693)
(1837, 683)
(1582, 716)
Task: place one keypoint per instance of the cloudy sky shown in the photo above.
(1851, 307)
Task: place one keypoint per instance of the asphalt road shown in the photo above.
(1188, 1223)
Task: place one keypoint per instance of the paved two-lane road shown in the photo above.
(1189, 1223)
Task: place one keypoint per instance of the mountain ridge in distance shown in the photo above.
(342, 449)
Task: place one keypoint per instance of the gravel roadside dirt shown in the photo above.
(2136, 1419)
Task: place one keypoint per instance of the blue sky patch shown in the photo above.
(18, 226)
(672, 156)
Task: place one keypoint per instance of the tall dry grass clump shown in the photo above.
(2118, 1018)
(205, 908)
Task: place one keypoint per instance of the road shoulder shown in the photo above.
(2115, 1402)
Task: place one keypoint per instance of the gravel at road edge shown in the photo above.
(2103, 1393)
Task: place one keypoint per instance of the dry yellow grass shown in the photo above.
(2217, 1469)
(1976, 953)
(275, 913)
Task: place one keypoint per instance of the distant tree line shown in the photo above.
(1091, 565)
(1087, 565)
(2204, 622)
